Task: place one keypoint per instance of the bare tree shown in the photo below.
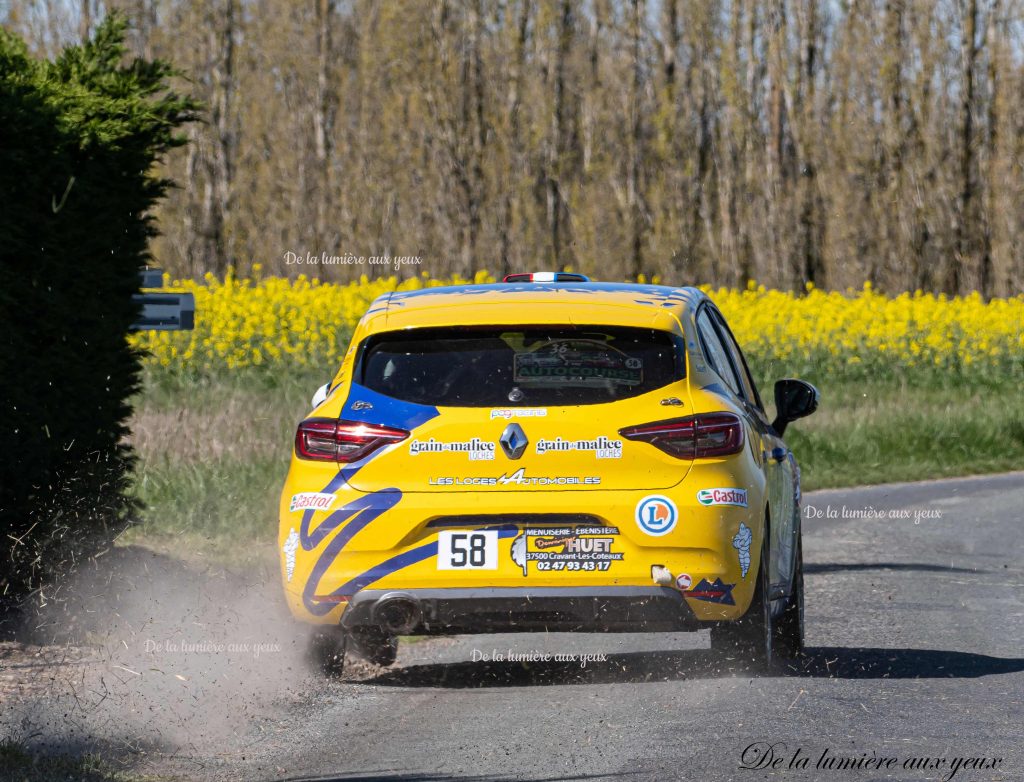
(323, 125)
(958, 267)
(783, 141)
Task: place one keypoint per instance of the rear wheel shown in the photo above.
(327, 649)
(751, 637)
(789, 629)
(374, 645)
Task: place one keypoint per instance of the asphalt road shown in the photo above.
(915, 618)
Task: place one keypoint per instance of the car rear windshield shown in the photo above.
(520, 365)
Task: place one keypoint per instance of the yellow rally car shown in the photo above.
(545, 454)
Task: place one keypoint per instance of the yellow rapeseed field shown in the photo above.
(279, 323)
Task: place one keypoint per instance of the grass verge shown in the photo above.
(881, 433)
(214, 453)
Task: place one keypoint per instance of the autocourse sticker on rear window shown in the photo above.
(581, 361)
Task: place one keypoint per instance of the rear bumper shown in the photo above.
(559, 609)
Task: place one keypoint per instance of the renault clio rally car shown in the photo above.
(545, 454)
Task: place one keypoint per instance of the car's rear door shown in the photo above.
(777, 460)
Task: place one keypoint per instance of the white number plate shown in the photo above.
(463, 550)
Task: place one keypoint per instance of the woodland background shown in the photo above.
(830, 142)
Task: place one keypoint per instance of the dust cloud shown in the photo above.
(143, 654)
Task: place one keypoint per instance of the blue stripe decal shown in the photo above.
(332, 487)
(400, 561)
(385, 410)
(387, 567)
(717, 388)
(362, 511)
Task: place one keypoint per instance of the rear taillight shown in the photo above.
(330, 440)
(693, 437)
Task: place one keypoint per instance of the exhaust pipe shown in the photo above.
(397, 614)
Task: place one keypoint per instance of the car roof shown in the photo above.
(591, 303)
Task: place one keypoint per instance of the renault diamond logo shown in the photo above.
(513, 441)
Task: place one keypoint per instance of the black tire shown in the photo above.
(327, 650)
(789, 628)
(374, 645)
(751, 638)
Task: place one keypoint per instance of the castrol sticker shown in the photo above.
(311, 500)
(737, 497)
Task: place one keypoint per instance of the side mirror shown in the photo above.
(793, 399)
(321, 394)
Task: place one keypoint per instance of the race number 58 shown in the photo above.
(457, 550)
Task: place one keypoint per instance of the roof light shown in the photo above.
(546, 277)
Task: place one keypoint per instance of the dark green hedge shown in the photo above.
(78, 141)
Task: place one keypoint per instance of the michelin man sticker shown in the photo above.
(291, 545)
(741, 542)
(519, 552)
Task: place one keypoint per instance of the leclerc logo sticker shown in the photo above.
(737, 497)
(656, 515)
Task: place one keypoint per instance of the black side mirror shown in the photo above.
(793, 399)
